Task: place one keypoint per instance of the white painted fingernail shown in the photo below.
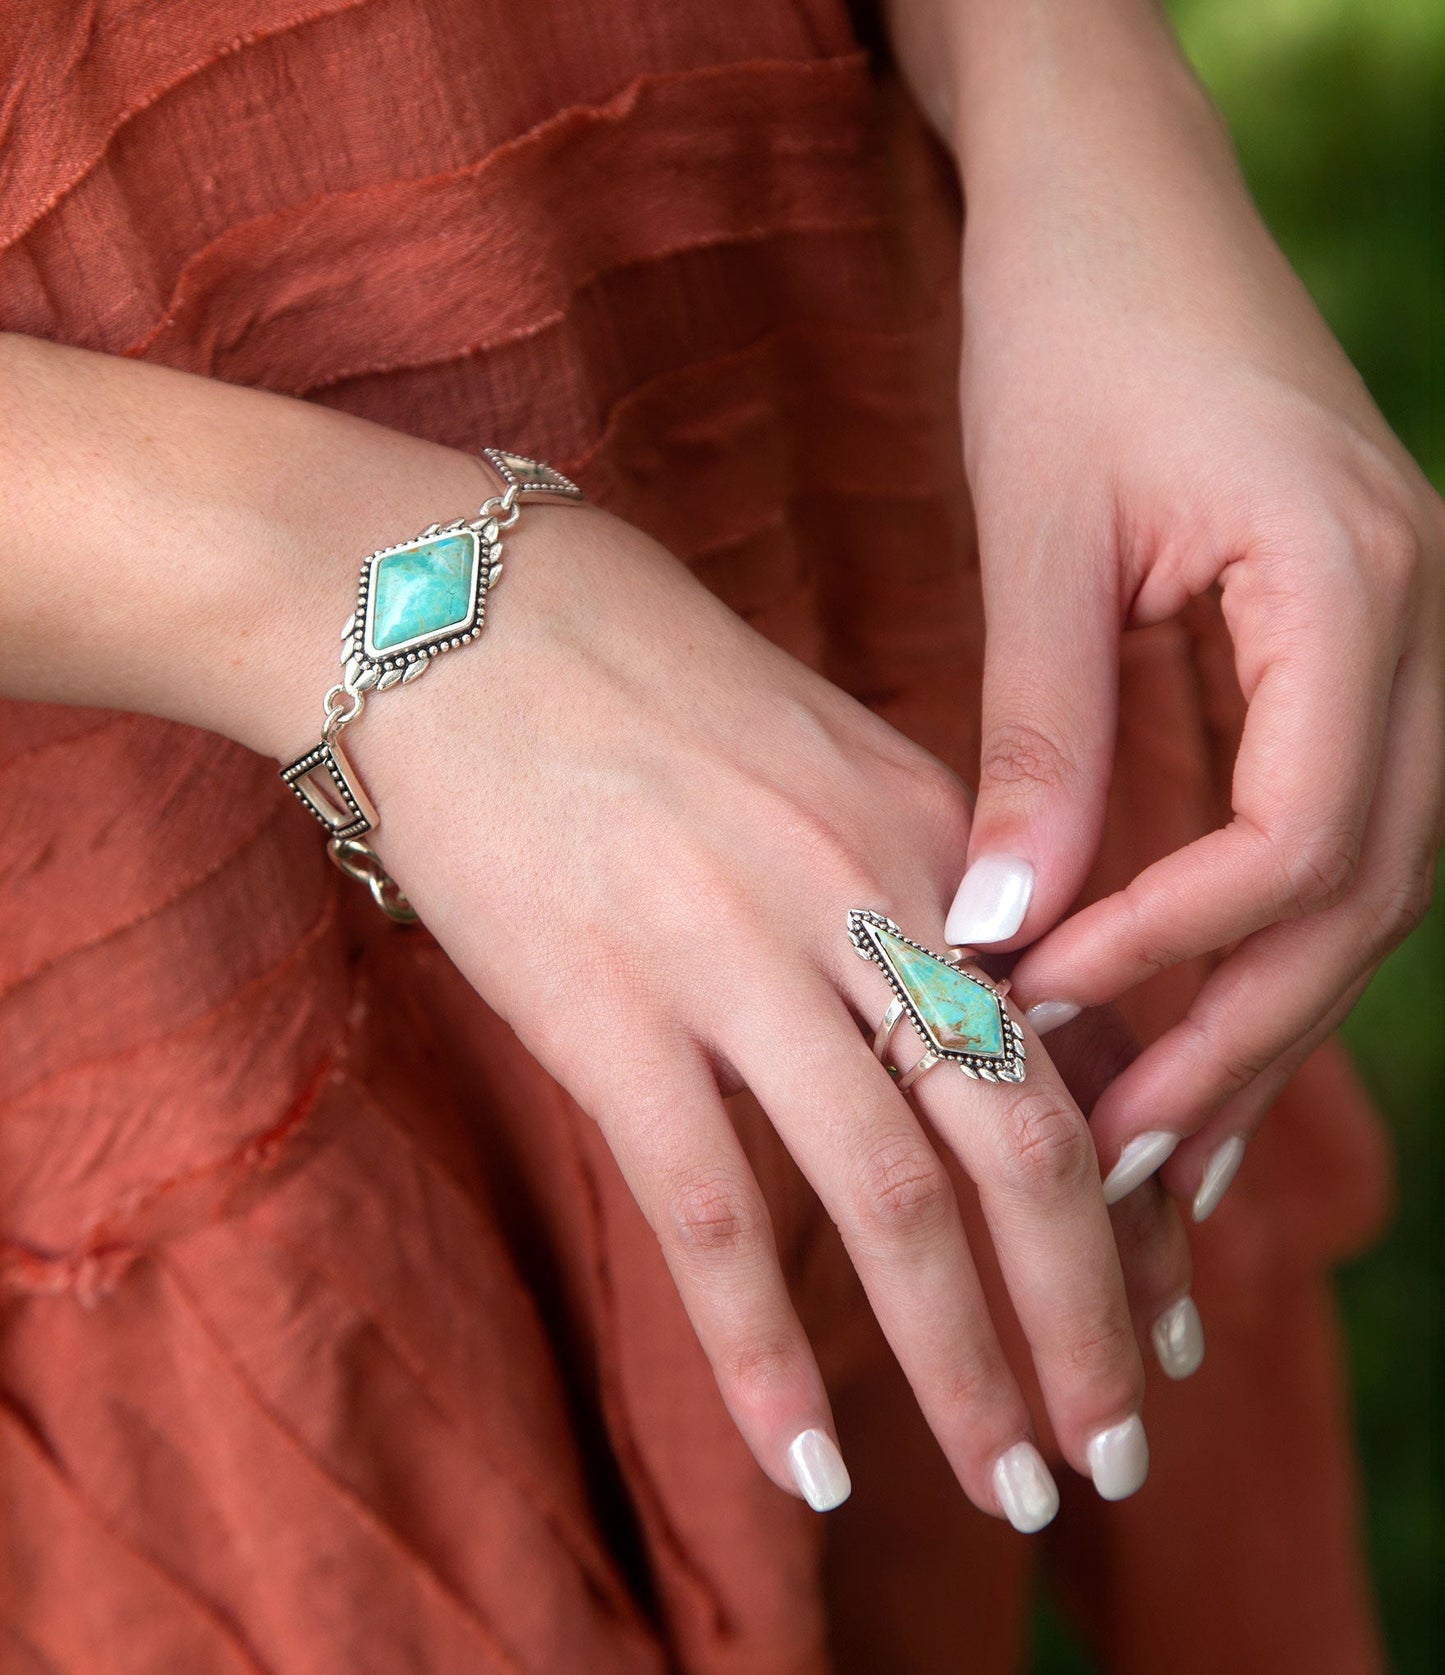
(1178, 1336)
(1025, 1488)
(818, 1470)
(1119, 1459)
(1218, 1173)
(991, 901)
(1137, 1162)
(1051, 1014)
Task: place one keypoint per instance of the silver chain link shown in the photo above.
(360, 861)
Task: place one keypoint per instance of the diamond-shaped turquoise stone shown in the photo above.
(959, 1014)
(424, 589)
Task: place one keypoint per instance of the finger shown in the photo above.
(1313, 670)
(1028, 1150)
(1050, 693)
(1154, 1255)
(683, 1162)
(885, 1186)
(1090, 1053)
(1202, 1169)
(1273, 991)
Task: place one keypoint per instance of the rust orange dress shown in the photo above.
(322, 1359)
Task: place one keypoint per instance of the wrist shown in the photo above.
(369, 488)
(185, 548)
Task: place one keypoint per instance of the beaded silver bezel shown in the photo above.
(367, 664)
(1007, 1066)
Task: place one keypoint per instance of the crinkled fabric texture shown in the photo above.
(331, 1340)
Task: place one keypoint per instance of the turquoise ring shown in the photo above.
(959, 1015)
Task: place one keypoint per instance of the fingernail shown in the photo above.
(1137, 1162)
(1218, 1173)
(1051, 1014)
(818, 1470)
(1178, 1336)
(1025, 1488)
(1119, 1459)
(991, 901)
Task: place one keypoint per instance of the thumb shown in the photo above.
(1050, 704)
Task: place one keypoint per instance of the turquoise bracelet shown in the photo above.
(415, 602)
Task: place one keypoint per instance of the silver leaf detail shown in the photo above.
(494, 575)
(420, 667)
(366, 679)
(350, 625)
(352, 669)
(390, 678)
(490, 530)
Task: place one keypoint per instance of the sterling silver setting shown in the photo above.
(328, 787)
(323, 780)
(1009, 1066)
(366, 666)
(530, 477)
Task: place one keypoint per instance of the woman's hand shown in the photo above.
(638, 828)
(1152, 409)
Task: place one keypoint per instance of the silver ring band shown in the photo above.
(884, 1034)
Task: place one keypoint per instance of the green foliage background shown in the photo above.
(1338, 111)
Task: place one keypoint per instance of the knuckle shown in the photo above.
(823, 843)
(1154, 1253)
(1238, 1068)
(1150, 953)
(714, 1216)
(1404, 907)
(1319, 870)
(1023, 756)
(1099, 1347)
(1394, 549)
(1045, 1146)
(754, 1367)
(1153, 956)
(903, 1191)
(977, 1381)
(701, 876)
(940, 801)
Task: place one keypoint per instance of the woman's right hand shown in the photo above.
(638, 827)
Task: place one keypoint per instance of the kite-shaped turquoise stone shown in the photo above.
(961, 1015)
(956, 1012)
(425, 588)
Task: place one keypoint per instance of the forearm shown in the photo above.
(186, 548)
(1091, 156)
(1013, 85)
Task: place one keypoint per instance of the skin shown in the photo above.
(695, 793)
(743, 773)
(1153, 408)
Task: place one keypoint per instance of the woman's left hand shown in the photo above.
(1153, 408)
